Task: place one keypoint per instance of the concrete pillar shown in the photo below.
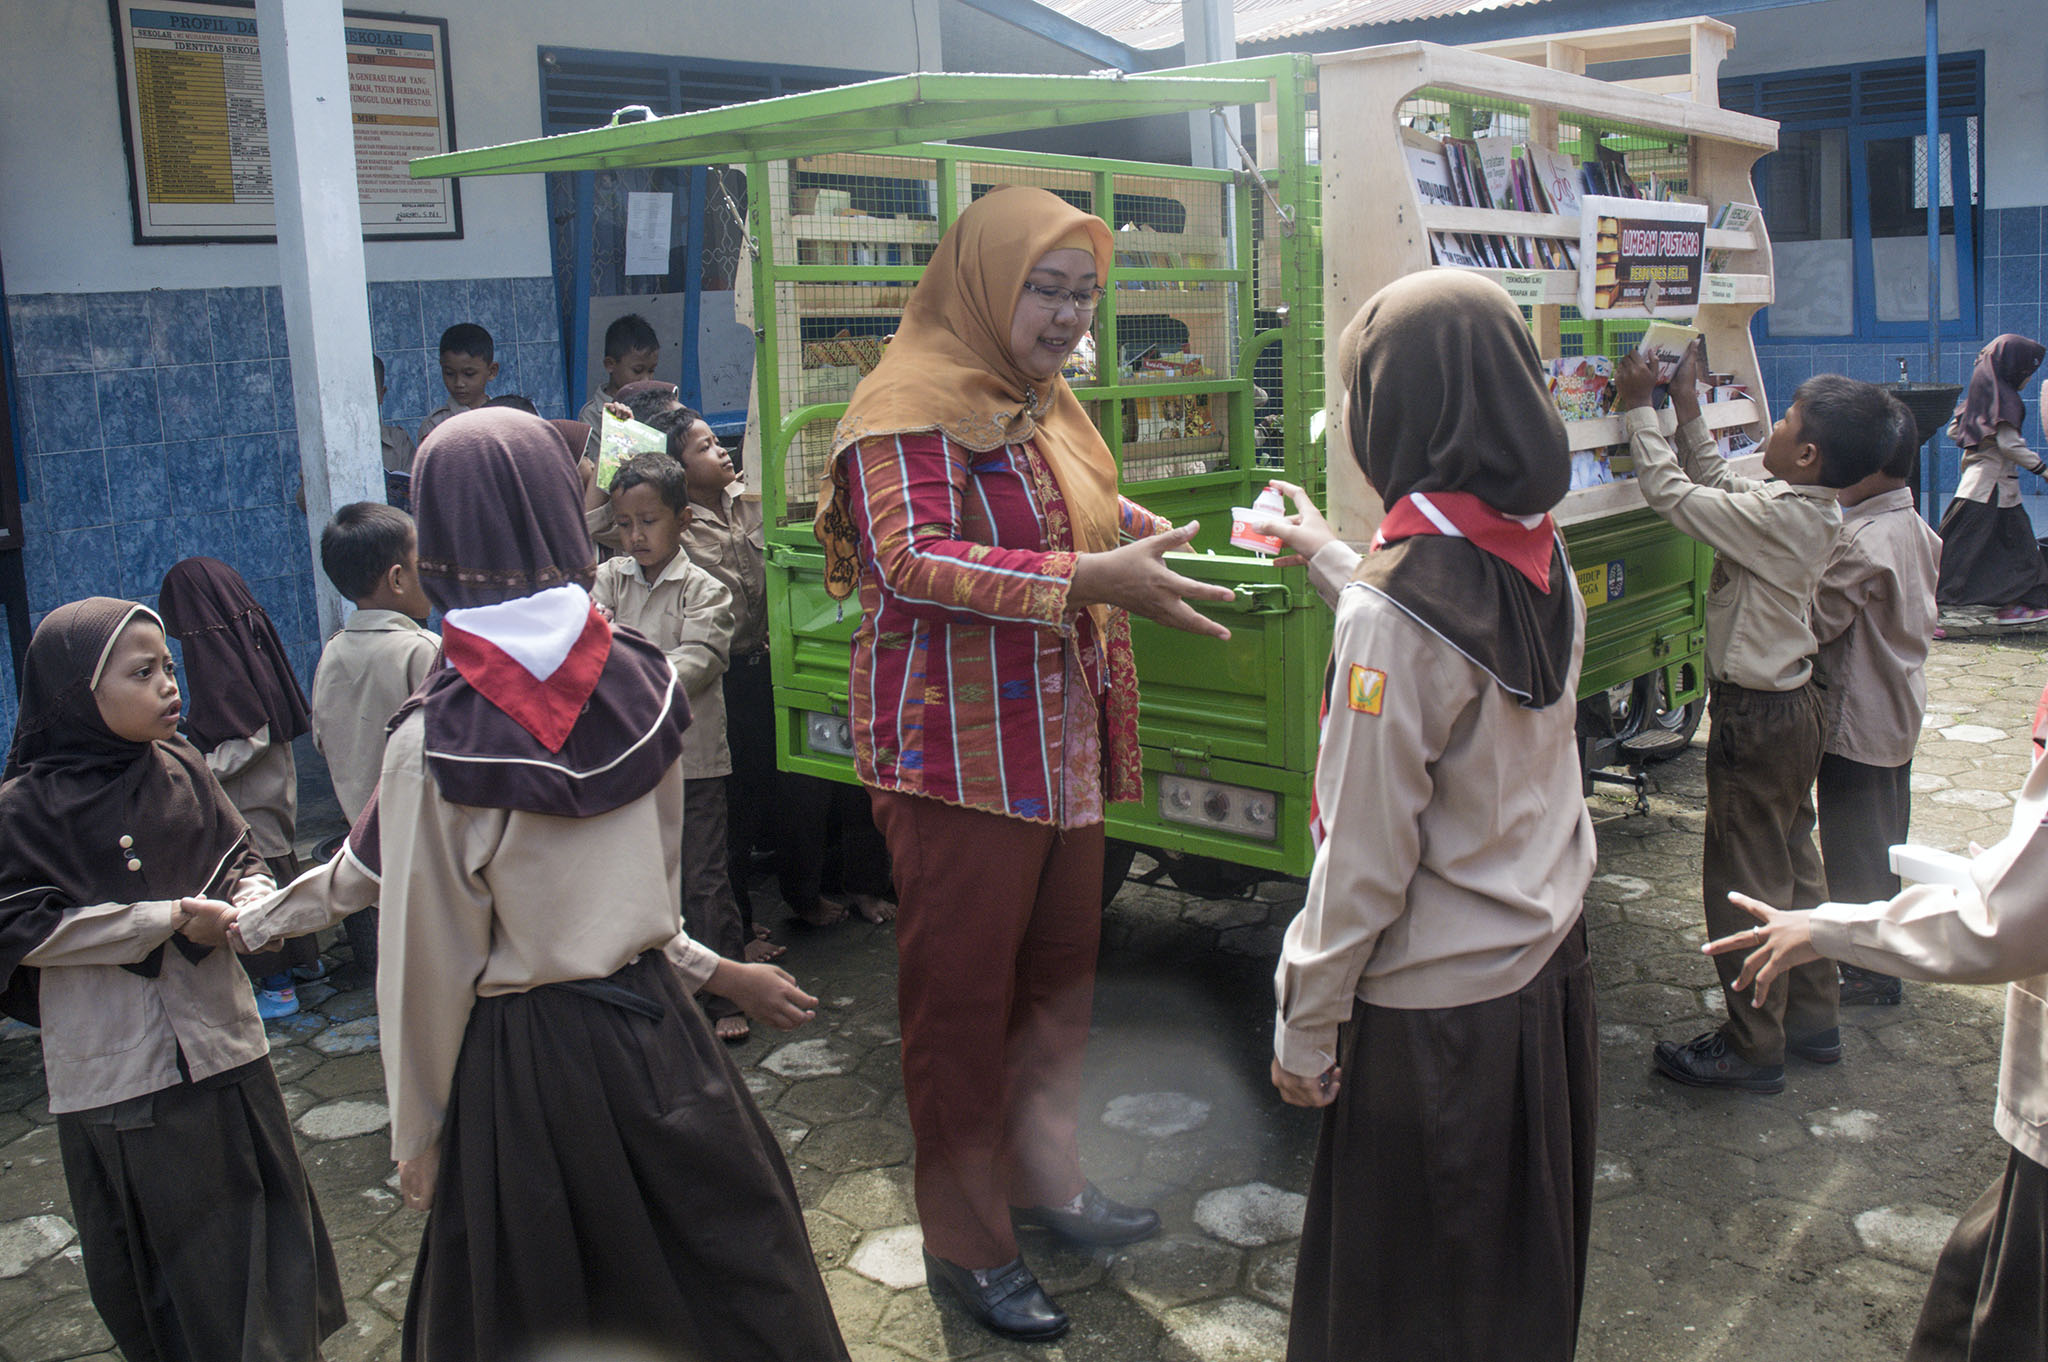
(320, 257)
(1210, 28)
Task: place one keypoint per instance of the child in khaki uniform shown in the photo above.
(1873, 615)
(1989, 1296)
(687, 613)
(367, 670)
(1771, 540)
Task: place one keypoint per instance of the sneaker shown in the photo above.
(1707, 1062)
(313, 973)
(272, 1003)
(2021, 614)
(1868, 988)
(1817, 1047)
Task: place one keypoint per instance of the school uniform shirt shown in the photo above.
(1991, 929)
(261, 779)
(687, 613)
(110, 1034)
(726, 540)
(1459, 847)
(1770, 542)
(398, 449)
(441, 413)
(1873, 614)
(366, 672)
(1990, 472)
(471, 906)
(593, 410)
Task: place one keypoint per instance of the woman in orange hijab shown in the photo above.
(994, 708)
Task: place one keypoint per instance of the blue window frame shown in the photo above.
(1845, 197)
(586, 209)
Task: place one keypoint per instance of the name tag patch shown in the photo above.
(1368, 689)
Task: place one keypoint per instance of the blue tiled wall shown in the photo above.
(159, 425)
(2013, 300)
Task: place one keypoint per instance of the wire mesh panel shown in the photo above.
(860, 210)
(976, 179)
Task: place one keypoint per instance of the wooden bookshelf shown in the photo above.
(1376, 227)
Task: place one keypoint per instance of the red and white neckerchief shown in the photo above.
(536, 658)
(1523, 542)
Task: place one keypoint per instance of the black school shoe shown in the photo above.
(1817, 1047)
(1707, 1062)
(1868, 988)
(1006, 1300)
(1100, 1223)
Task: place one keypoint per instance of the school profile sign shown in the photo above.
(192, 109)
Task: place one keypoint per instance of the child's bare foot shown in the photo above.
(732, 1030)
(824, 913)
(874, 908)
(761, 950)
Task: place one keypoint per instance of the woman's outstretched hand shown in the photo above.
(1784, 942)
(1136, 577)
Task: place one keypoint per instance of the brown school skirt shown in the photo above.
(606, 1178)
(202, 1240)
(1989, 1298)
(1449, 1210)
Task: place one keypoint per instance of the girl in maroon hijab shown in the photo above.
(1989, 557)
(591, 1164)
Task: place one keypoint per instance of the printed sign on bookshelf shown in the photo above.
(1640, 258)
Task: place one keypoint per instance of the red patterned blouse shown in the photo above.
(973, 681)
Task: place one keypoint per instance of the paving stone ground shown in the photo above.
(1740, 1227)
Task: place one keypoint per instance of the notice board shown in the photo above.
(191, 82)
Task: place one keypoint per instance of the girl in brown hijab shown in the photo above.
(1435, 1000)
(994, 711)
(590, 1161)
(1990, 559)
(117, 848)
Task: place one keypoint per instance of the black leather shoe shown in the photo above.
(1817, 1047)
(1868, 988)
(1099, 1223)
(1707, 1062)
(1006, 1300)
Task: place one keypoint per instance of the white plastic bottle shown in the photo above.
(1269, 505)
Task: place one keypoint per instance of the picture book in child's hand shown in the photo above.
(619, 441)
(1665, 344)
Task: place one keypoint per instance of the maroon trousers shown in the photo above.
(997, 928)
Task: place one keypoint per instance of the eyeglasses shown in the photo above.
(1053, 299)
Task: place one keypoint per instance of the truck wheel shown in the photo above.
(1656, 716)
(1116, 867)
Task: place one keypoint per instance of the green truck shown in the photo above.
(1208, 377)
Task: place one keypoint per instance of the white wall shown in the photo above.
(2013, 35)
(64, 217)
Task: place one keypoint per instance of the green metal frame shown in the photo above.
(1245, 713)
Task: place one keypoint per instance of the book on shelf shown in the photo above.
(1432, 175)
(1731, 217)
(1581, 386)
(1554, 188)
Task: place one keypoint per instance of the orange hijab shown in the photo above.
(949, 370)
